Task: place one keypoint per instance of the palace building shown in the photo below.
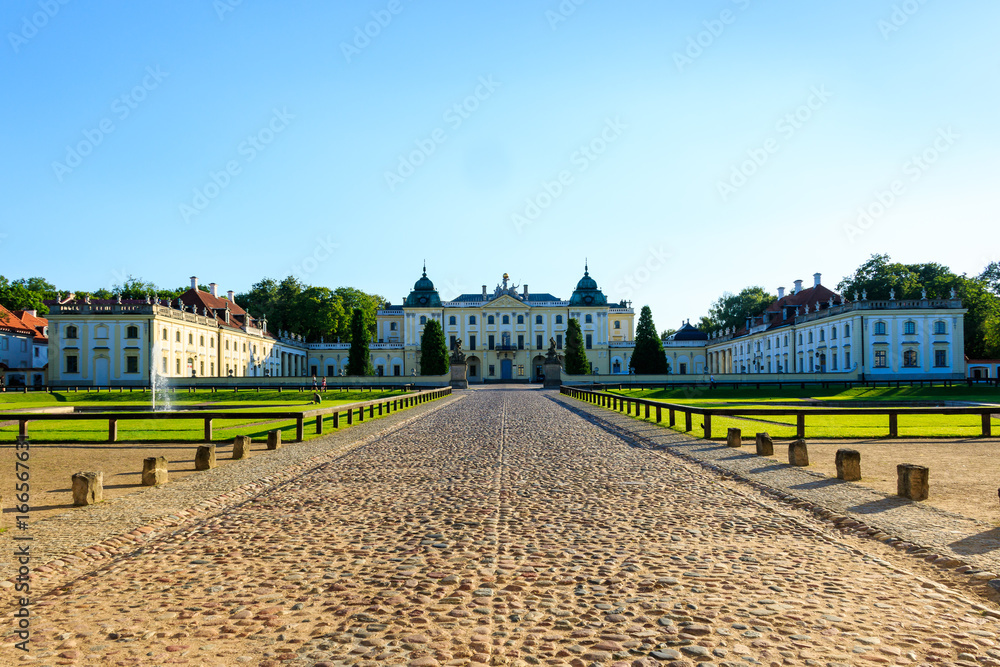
(504, 332)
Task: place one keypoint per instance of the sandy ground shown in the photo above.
(964, 473)
(52, 467)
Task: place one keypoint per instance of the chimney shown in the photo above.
(525, 292)
(816, 278)
(231, 294)
(194, 282)
(214, 289)
(798, 287)
(484, 292)
(781, 292)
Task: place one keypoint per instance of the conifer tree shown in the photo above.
(576, 357)
(433, 350)
(359, 361)
(648, 357)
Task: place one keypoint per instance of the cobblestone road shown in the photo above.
(506, 529)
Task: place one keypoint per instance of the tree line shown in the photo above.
(290, 305)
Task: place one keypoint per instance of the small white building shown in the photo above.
(23, 348)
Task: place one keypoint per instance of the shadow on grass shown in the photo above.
(981, 543)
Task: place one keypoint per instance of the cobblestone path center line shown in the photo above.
(504, 529)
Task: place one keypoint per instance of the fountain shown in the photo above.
(158, 381)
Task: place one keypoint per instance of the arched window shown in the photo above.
(909, 327)
(164, 334)
(71, 332)
(910, 358)
(833, 333)
(879, 328)
(472, 319)
(588, 318)
(520, 319)
(423, 319)
(940, 327)
(490, 319)
(132, 332)
(177, 337)
(190, 339)
(822, 335)
(558, 319)
(847, 330)
(786, 340)
(452, 320)
(800, 339)
(538, 319)
(227, 344)
(506, 319)
(810, 336)
(201, 341)
(392, 326)
(618, 324)
(211, 343)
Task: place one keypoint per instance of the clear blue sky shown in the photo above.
(820, 108)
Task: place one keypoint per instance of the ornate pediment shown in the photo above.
(505, 301)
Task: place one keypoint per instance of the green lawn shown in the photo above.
(825, 426)
(155, 430)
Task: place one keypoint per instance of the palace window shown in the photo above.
(879, 329)
(472, 320)
(131, 364)
(211, 368)
(520, 319)
(506, 319)
(190, 339)
(940, 327)
(227, 344)
(178, 364)
(559, 319)
(538, 342)
(786, 340)
(847, 332)
(618, 324)
(72, 364)
(132, 332)
(822, 335)
(769, 343)
(71, 333)
(452, 320)
(847, 360)
(588, 318)
(910, 359)
(164, 334)
(490, 320)
(520, 341)
(558, 341)
(201, 368)
(491, 343)
(940, 358)
(810, 336)
(423, 319)
(520, 370)
(177, 336)
(880, 359)
(201, 341)
(909, 327)
(590, 342)
(833, 333)
(392, 326)
(164, 366)
(493, 370)
(800, 339)
(538, 319)
(472, 342)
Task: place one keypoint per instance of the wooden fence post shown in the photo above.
(800, 425)
(208, 429)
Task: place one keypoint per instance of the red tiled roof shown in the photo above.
(35, 322)
(11, 322)
(816, 297)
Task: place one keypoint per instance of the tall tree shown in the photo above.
(16, 296)
(359, 361)
(648, 357)
(433, 350)
(576, 356)
(732, 310)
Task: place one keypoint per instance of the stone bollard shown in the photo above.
(848, 465)
(273, 439)
(204, 458)
(154, 471)
(765, 446)
(88, 488)
(798, 455)
(734, 438)
(911, 481)
(241, 447)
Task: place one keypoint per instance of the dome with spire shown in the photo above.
(423, 293)
(587, 292)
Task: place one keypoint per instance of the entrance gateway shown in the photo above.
(506, 369)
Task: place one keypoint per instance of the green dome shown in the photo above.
(423, 294)
(587, 293)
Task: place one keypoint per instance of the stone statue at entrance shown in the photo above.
(457, 356)
(551, 357)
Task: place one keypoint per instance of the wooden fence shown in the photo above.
(627, 404)
(348, 411)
